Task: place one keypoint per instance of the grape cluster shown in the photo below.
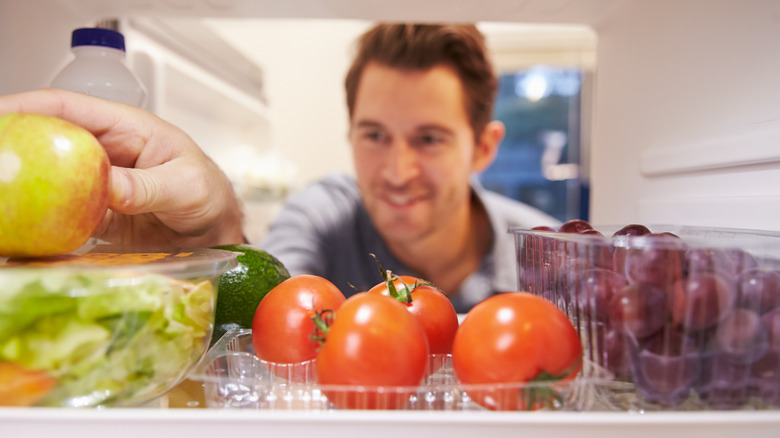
(672, 317)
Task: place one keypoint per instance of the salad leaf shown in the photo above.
(23, 305)
(106, 340)
(138, 294)
(60, 342)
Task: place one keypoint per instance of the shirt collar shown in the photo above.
(501, 263)
(498, 270)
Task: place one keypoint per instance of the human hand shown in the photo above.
(164, 189)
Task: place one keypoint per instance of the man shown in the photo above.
(420, 100)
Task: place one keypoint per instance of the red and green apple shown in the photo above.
(54, 185)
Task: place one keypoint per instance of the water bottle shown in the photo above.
(99, 68)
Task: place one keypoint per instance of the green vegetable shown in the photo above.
(105, 339)
(242, 288)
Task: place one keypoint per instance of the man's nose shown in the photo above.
(401, 163)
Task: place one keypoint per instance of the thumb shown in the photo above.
(133, 191)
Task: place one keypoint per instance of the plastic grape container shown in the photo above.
(687, 318)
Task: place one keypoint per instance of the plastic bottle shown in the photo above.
(99, 68)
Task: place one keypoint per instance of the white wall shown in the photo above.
(686, 91)
(34, 42)
(304, 63)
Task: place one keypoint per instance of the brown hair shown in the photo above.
(424, 46)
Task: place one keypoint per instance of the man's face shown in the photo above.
(413, 148)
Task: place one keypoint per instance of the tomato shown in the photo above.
(282, 328)
(431, 307)
(22, 387)
(515, 338)
(373, 342)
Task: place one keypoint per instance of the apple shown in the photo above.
(54, 185)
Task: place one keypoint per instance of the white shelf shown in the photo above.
(754, 145)
(176, 80)
(210, 423)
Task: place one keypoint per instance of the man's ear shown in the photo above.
(487, 146)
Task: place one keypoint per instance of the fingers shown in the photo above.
(185, 189)
(130, 190)
(94, 114)
(190, 196)
(123, 130)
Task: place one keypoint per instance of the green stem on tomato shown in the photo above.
(545, 394)
(322, 321)
(403, 294)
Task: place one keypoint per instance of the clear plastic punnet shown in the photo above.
(234, 377)
(687, 318)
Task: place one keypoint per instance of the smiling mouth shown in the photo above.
(401, 200)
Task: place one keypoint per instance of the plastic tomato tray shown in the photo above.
(234, 377)
(685, 322)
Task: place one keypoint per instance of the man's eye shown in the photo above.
(377, 136)
(428, 140)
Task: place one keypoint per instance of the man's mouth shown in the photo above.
(399, 200)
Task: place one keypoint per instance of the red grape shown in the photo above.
(632, 230)
(613, 352)
(659, 263)
(592, 232)
(709, 260)
(639, 309)
(576, 226)
(742, 259)
(759, 289)
(771, 322)
(702, 300)
(597, 286)
(741, 337)
(619, 252)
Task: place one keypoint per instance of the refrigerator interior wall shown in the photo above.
(200, 84)
(688, 115)
(686, 106)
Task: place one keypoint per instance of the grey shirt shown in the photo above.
(325, 230)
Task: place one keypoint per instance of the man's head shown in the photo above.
(420, 104)
(420, 47)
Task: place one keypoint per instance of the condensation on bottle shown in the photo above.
(99, 68)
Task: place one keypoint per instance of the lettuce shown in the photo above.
(105, 339)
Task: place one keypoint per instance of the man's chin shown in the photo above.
(398, 233)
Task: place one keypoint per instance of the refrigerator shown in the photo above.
(683, 127)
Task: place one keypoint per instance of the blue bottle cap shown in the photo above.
(95, 36)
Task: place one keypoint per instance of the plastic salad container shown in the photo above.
(687, 318)
(105, 326)
(234, 377)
